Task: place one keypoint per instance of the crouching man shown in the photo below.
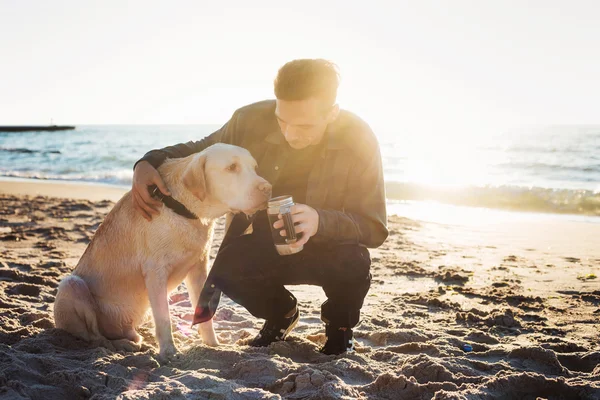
(329, 161)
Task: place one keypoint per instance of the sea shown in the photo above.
(539, 171)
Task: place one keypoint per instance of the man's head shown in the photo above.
(306, 92)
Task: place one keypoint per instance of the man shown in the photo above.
(329, 161)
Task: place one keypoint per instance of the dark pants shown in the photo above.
(249, 270)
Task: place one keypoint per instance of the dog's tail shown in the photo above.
(75, 309)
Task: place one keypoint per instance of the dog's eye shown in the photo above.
(232, 168)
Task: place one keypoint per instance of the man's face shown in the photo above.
(303, 122)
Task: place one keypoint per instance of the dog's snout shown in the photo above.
(265, 187)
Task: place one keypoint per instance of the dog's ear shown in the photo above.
(193, 178)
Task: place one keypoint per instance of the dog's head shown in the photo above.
(226, 174)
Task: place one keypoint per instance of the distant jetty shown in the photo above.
(35, 128)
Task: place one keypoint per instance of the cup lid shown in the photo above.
(281, 201)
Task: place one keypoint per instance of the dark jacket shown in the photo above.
(345, 185)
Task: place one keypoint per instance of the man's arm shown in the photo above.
(364, 218)
(145, 173)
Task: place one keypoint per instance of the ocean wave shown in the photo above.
(24, 150)
(537, 166)
(534, 149)
(514, 198)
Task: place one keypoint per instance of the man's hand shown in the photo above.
(306, 220)
(146, 175)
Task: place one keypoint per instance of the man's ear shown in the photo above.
(193, 178)
(333, 113)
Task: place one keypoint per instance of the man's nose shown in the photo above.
(290, 133)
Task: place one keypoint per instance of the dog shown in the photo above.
(131, 264)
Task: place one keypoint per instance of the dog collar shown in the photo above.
(170, 202)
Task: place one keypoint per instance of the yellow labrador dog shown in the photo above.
(132, 264)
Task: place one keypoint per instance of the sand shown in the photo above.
(69, 190)
(521, 295)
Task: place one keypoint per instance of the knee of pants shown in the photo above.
(355, 267)
(224, 262)
(231, 263)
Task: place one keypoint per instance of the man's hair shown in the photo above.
(305, 78)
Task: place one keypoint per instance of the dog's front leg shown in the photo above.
(157, 293)
(194, 281)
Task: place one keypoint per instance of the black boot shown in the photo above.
(339, 340)
(275, 330)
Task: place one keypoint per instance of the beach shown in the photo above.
(474, 122)
(501, 309)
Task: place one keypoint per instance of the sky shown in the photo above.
(406, 66)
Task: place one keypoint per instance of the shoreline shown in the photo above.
(428, 211)
(445, 223)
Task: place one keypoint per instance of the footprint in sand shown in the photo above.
(480, 337)
(13, 237)
(16, 265)
(25, 289)
(7, 274)
(52, 264)
(562, 346)
(456, 276)
(585, 362)
(46, 246)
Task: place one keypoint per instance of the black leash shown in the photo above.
(170, 202)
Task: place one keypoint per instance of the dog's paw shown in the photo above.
(134, 336)
(212, 342)
(103, 342)
(167, 354)
(117, 344)
(207, 333)
(126, 345)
